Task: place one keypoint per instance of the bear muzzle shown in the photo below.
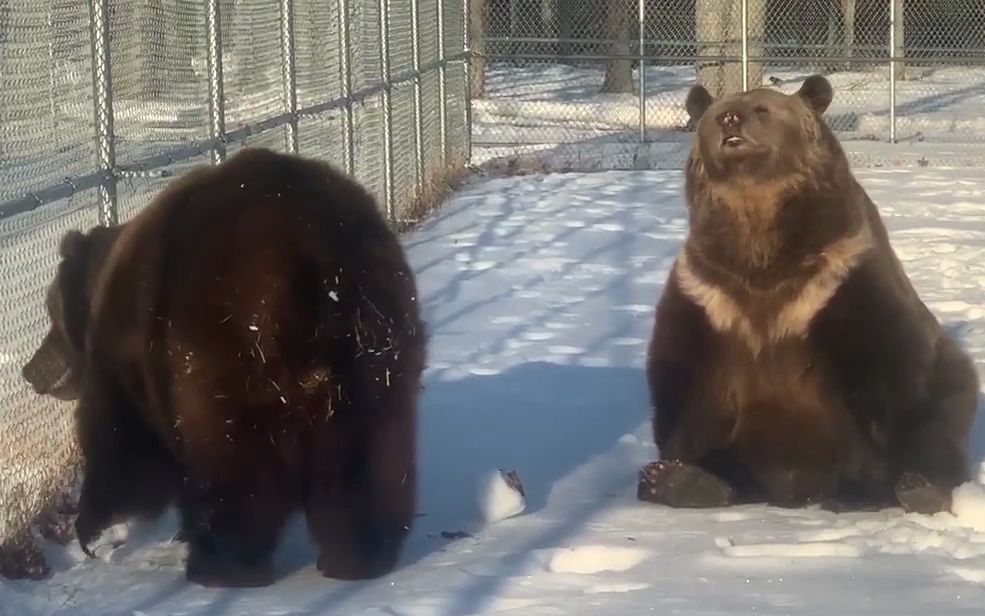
(48, 372)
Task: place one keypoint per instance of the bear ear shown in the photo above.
(817, 93)
(698, 101)
(72, 245)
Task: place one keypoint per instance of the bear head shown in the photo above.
(57, 366)
(760, 133)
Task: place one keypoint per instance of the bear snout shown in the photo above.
(47, 371)
(730, 119)
(34, 373)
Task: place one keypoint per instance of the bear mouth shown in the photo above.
(61, 389)
(56, 383)
(739, 145)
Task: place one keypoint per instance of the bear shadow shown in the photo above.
(540, 419)
(958, 331)
(977, 444)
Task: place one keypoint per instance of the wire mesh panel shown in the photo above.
(319, 79)
(940, 78)
(555, 73)
(404, 143)
(431, 91)
(103, 103)
(457, 77)
(37, 447)
(367, 78)
(317, 48)
(604, 81)
(253, 74)
(136, 192)
(322, 136)
(431, 131)
(46, 109)
(794, 40)
(46, 135)
(159, 76)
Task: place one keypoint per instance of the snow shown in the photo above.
(539, 293)
(557, 111)
(933, 102)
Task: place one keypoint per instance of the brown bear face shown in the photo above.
(760, 133)
(57, 366)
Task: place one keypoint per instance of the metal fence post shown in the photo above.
(892, 71)
(467, 70)
(345, 67)
(415, 29)
(641, 14)
(102, 88)
(744, 24)
(217, 113)
(442, 85)
(290, 77)
(387, 109)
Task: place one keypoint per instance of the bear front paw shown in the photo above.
(917, 494)
(218, 571)
(343, 564)
(676, 484)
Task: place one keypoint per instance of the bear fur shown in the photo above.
(791, 360)
(249, 344)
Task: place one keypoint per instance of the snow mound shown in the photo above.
(500, 496)
(588, 559)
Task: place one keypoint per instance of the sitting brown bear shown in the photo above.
(791, 360)
(250, 343)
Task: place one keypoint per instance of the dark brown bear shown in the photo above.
(249, 344)
(791, 360)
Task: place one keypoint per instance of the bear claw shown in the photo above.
(86, 531)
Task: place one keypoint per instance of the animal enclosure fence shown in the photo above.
(101, 102)
(601, 83)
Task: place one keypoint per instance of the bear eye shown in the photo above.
(761, 109)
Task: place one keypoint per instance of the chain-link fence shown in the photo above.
(102, 102)
(601, 83)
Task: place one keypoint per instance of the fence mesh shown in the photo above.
(188, 83)
(562, 79)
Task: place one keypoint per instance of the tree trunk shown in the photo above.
(899, 67)
(477, 43)
(565, 29)
(718, 29)
(848, 7)
(618, 72)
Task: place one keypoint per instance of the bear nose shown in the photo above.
(730, 119)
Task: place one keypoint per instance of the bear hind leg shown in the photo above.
(232, 529)
(933, 451)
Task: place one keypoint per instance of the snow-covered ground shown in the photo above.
(539, 294)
